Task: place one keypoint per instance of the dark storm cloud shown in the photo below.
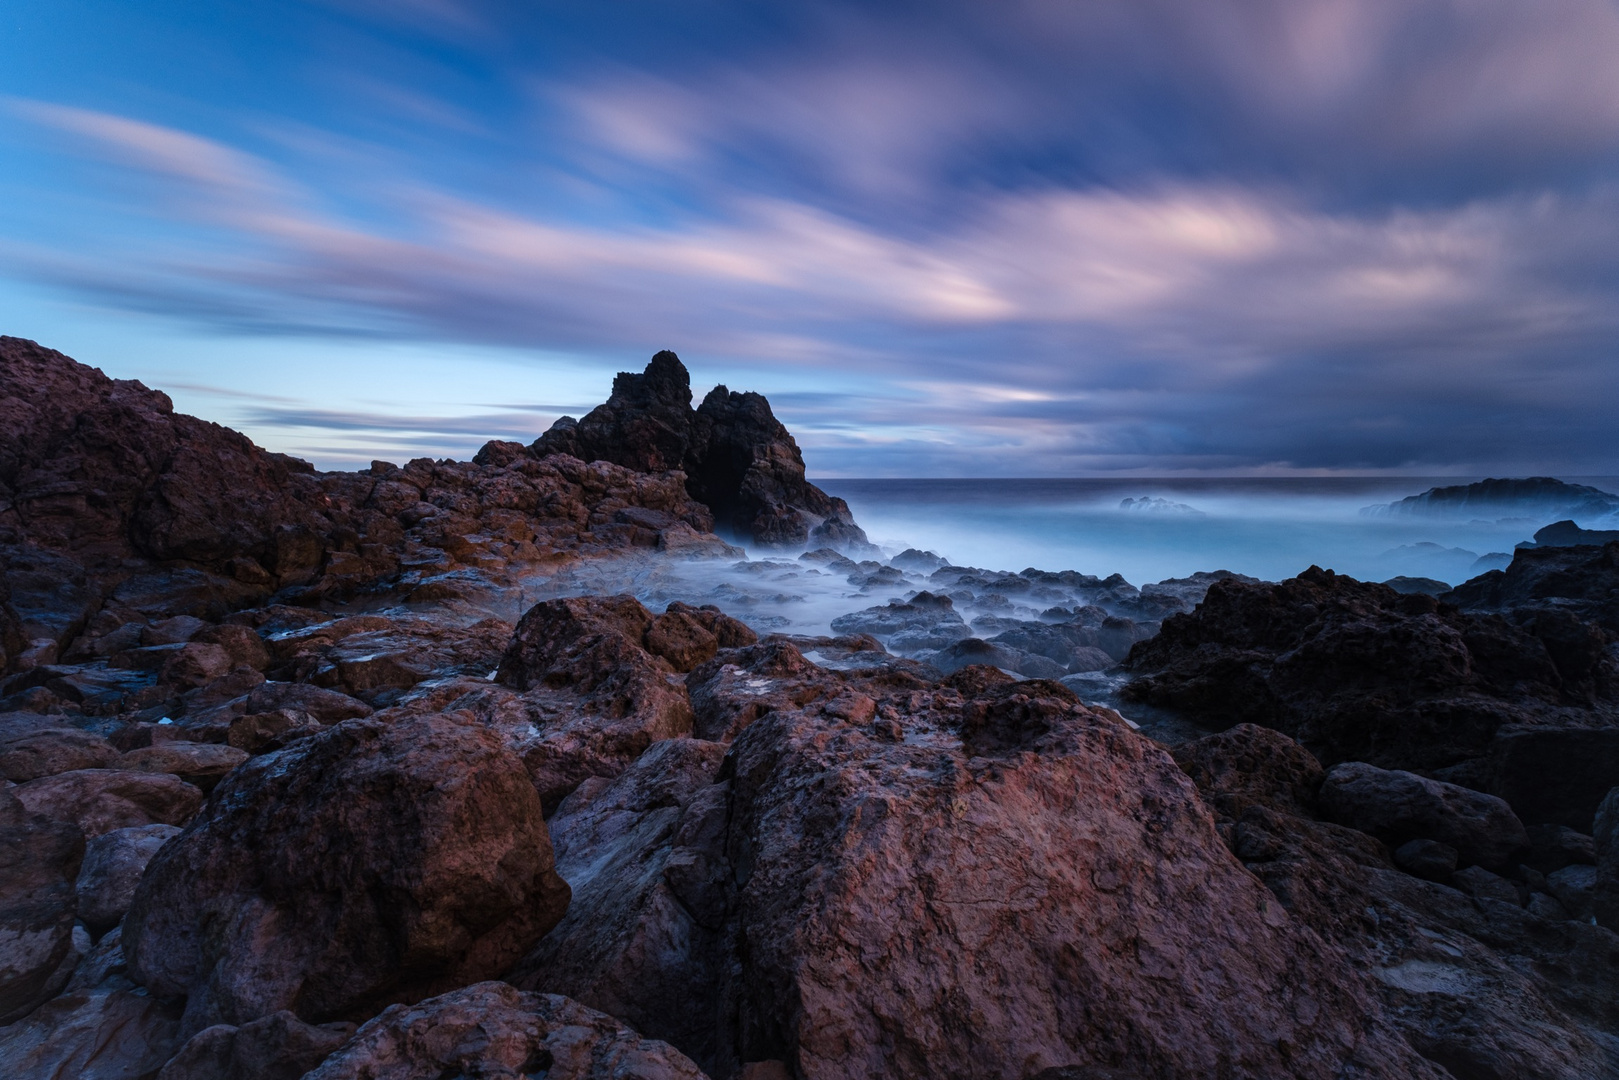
(1023, 238)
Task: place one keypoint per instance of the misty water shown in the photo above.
(1266, 528)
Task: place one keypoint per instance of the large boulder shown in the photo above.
(275, 1047)
(1398, 807)
(493, 1030)
(368, 864)
(1605, 892)
(737, 457)
(594, 696)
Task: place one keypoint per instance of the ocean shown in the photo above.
(1268, 528)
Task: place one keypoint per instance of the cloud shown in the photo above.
(1032, 238)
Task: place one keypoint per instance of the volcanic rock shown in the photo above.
(275, 1047)
(1357, 671)
(52, 751)
(101, 800)
(39, 859)
(115, 1031)
(367, 864)
(113, 864)
(737, 457)
(1399, 806)
(202, 764)
(493, 1030)
(594, 696)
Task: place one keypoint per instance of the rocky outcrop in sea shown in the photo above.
(515, 768)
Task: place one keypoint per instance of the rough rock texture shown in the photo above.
(52, 751)
(202, 764)
(113, 864)
(1480, 984)
(596, 697)
(275, 1047)
(1397, 807)
(1525, 706)
(492, 1030)
(101, 800)
(905, 878)
(39, 859)
(643, 940)
(370, 863)
(115, 1031)
(1605, 886)
(737, 457)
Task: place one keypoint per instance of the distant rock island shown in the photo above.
(1536, 495)
(501, 769)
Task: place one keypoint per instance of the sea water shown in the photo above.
(1269, 528)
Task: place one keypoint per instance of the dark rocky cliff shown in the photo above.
(738, 458)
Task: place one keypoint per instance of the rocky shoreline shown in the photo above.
(513, 768)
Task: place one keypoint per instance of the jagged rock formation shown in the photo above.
(1522, 701)
(738, 458)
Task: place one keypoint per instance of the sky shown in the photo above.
(1022, 238)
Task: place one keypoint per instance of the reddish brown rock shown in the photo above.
(1250, 765)
(493, 1030)
(202, 764)
(101, 800)
(593, 696)
(370, 863)
(115, 1031)
(52, 751)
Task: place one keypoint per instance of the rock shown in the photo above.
(1483, 885)
(1502, 498)
(903, 908)
(101, 800)
(194, 664)
(241, 645)
(925, 621)
(976, 651)
(1605, 840)
(492, 1030)
(1250, 765)
(343, 873)
(593, 695)
(1428, 859)
(52, 751)
(275, 1047)
(645, 856)
(1582, 581)
(1517, 701)
(263, 733)
(325, 706)
(173, 631)
(737, 457)
(111, 1032)
(1553, 847)
(1575, 888)
(1568, 534)
(1399, 806)
(113, 864)
(202, 764)
(39, 859)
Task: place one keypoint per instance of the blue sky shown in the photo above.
(1027, 238)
